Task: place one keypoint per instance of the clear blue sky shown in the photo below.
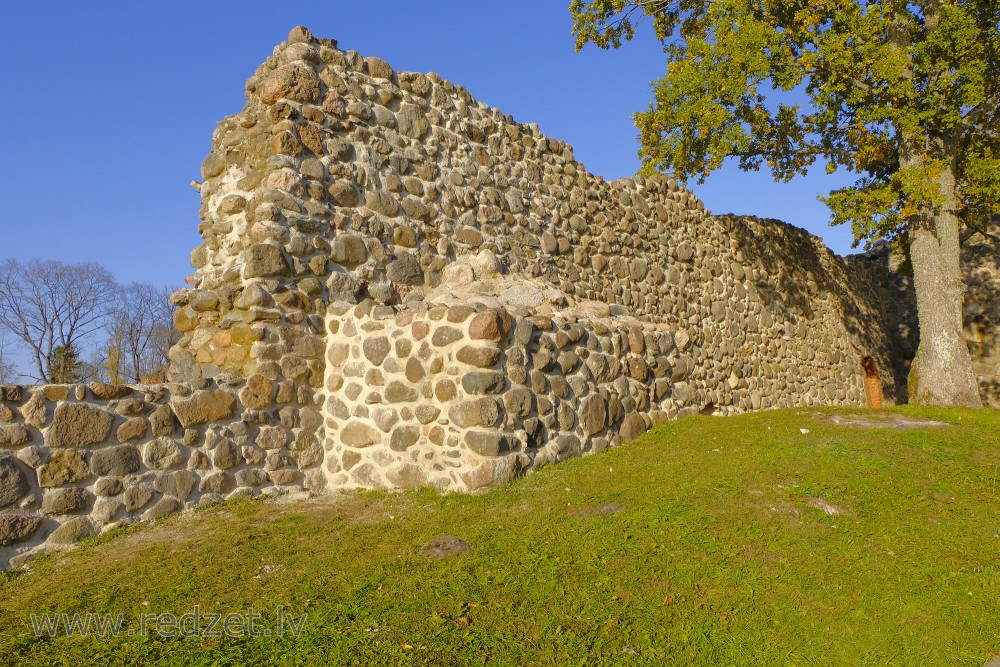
(109, 109)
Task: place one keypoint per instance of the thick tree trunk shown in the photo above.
(941, 373)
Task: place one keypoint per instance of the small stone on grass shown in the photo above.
(444, 547)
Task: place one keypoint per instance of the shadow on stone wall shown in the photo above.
(981, 260)
(891, 295)
(791, 289)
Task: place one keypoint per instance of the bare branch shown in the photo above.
(140, 335)
(49, 304)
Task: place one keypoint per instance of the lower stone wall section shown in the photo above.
(466, 396)
(79, 459)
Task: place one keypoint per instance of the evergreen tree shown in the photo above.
(64, 365)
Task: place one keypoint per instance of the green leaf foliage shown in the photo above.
(788, 83)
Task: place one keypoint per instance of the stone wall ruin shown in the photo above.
(401, 286)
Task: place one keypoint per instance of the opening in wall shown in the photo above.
(873, 383)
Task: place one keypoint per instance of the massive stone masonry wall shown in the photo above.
(400, 286)
(76, 460)
(344, 180)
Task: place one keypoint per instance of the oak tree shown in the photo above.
(903, 93)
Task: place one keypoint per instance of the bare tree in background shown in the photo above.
(141, 332)
(48, 304)
(8, 371)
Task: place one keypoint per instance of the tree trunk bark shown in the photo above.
(941, 373)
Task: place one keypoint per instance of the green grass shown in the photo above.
(722, 554)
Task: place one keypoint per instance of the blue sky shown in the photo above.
(109, 109)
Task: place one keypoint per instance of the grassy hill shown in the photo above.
(775, 538)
